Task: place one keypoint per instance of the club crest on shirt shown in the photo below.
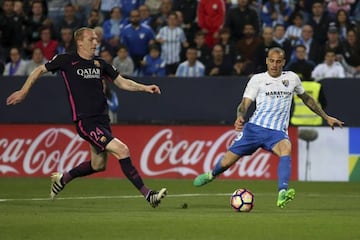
(285, 82)
(97, 63)
(103, 139)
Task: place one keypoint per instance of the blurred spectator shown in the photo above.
(218, 65)
(37, 20)
(247, 46)
(145, 16)
(279, 38)
(300, 65)
(319, 20)
(111, 97)
(293, 31)
(95, 19)
(275, 11)
(106, 55)
(102, 44)
(333, 6)
(351, 48)
(112, 101)
(243, 67)
(263, 48)
(107, 6)
(203, 50)
(343, 23)
(37, 58)
(69, 20)
(46, 43)
(137, 38)
(314, 51)
(159, 20)
(300, 7)
(17, 65)
(330, 68)
(356, 13)
(66, 44)
(238, 17)
(227, 43)
(191, 67)
(11, 27)
(123, 62)
(55, 9)
(113, 27)
(154, 6)
(172, 39)
(188, 8)
(211, 18)
(83, 9)
(128, 5)
(333, 40)
(19, 10)
(153, 65)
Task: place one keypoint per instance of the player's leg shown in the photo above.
(221, 166)
(96, 164)
(245, 143)
(121, 152)
(283, 150)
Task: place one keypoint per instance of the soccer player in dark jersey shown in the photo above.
(83, 73)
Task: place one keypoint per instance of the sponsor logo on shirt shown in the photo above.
(88, 72)
(278, 94)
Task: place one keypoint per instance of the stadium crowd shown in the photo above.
(187, 38)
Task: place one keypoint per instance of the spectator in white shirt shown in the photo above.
(17, 65)
(330, 68)
(191, 67)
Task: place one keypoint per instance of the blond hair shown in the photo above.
(79, 33)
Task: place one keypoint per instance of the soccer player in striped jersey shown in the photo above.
(267, 128)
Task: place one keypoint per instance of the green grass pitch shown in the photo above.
(112, 209)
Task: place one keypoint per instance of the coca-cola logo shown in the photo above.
(54, 149)
(166, 152)
(163, 155)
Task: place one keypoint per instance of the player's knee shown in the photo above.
(122, 150)
(99, 167)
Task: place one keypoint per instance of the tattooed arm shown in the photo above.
(316, 108)
(241, 112)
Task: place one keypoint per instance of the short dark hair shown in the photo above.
(301, 46)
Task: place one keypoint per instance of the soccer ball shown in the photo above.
(242, 200)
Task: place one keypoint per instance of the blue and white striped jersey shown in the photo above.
(273, 98)
(171, 48)
(185, 70)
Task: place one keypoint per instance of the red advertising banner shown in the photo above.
(157, 151)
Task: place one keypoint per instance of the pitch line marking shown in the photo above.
(169, 195)
(113, 197)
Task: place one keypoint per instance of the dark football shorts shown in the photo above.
(95, 130)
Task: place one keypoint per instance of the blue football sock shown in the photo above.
(284, 171)
(218, 169)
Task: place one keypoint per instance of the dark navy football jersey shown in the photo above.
(83, 80)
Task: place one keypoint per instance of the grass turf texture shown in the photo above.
(113, 209)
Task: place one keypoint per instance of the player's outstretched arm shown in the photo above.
(316, 108)
(18, 96)
(130, 85)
